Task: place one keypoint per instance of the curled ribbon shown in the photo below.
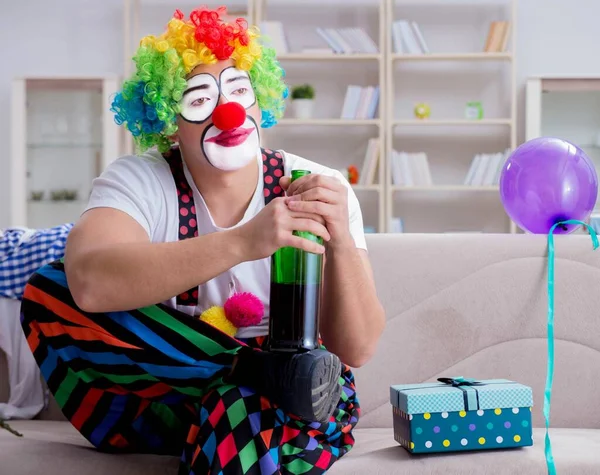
(550, 366)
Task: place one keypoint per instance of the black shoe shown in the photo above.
(304, 384)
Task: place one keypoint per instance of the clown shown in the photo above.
(172, 240)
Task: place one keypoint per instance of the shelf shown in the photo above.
(346, 122)
(366, 187)
(453, 57)
(447, 188)
(451, 122)
(37, 146)
(327, 57)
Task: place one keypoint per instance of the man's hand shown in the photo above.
(325, 196)
(272, 229)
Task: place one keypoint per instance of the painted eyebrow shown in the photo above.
(236, 78)
(195, 88)
(203, 81)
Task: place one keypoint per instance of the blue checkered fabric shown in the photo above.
(23, 251)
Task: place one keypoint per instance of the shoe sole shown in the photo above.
(326, 387)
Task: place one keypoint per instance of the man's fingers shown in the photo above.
(310, 226)
(314, 207)
(284, 182)
(305, 245)
(319, 193)
(315, 217)
(314, 181)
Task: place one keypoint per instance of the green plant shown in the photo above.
(70, 195)
(37, 195)
(304, 91)
(57, 195)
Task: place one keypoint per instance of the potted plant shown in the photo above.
(303, 100)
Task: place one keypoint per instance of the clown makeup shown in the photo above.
(200, 98)
(236, 87)
(231, 140)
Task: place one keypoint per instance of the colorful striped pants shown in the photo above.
(151, 381)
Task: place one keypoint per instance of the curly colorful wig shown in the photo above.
(149, 101)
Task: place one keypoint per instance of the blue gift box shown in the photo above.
(456, 414)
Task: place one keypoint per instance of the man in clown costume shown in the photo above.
(175, 230)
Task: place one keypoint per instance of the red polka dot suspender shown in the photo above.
(188, 225)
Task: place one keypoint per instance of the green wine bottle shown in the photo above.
(295, 298)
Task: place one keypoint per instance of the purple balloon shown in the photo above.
(547, 180)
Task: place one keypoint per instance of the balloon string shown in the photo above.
(550, 365)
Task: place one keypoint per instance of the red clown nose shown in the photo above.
(229, 116)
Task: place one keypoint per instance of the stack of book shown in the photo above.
(407, 38)
(367, 173)
(410, 169)
(497, 38)
(348, 40)
(360, 102)
(486, 168)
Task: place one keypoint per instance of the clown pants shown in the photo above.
(151, 381)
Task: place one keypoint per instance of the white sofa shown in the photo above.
(469, 305)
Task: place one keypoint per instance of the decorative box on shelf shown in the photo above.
(457, 414)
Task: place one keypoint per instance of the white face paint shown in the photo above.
(236, 87)
(232, 149)
(200, 98)
(227, 150)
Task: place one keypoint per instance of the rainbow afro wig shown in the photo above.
(149, 101)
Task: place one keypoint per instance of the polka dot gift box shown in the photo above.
(456, 414)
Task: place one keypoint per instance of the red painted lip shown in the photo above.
(231, 138)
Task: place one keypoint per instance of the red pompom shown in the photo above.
(229, 116)
(178, 14)
(244, 309)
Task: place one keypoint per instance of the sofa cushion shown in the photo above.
(61, 450)
(375, 453)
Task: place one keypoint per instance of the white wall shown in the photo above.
(61, 37)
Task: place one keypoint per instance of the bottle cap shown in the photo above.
(299, 173)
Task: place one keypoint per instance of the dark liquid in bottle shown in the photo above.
(294, 316)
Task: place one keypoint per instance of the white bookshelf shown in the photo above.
(454, 70)
(62, 136)
(332, 141)
(447, 188)
(453, 57)
(333, 122)
(329, 57)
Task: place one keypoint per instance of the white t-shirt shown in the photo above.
(143, 187)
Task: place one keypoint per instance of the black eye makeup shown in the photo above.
(202, 94)
(236, 87)
(200, 98)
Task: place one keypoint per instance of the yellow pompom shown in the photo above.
(216, 317)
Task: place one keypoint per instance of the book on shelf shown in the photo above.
(497, 38)
(410, 169)
(348, 40)
(396, 225)
(275, 36)
(407, 38)
(369, 167)
(360, 102)
(486, 168)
